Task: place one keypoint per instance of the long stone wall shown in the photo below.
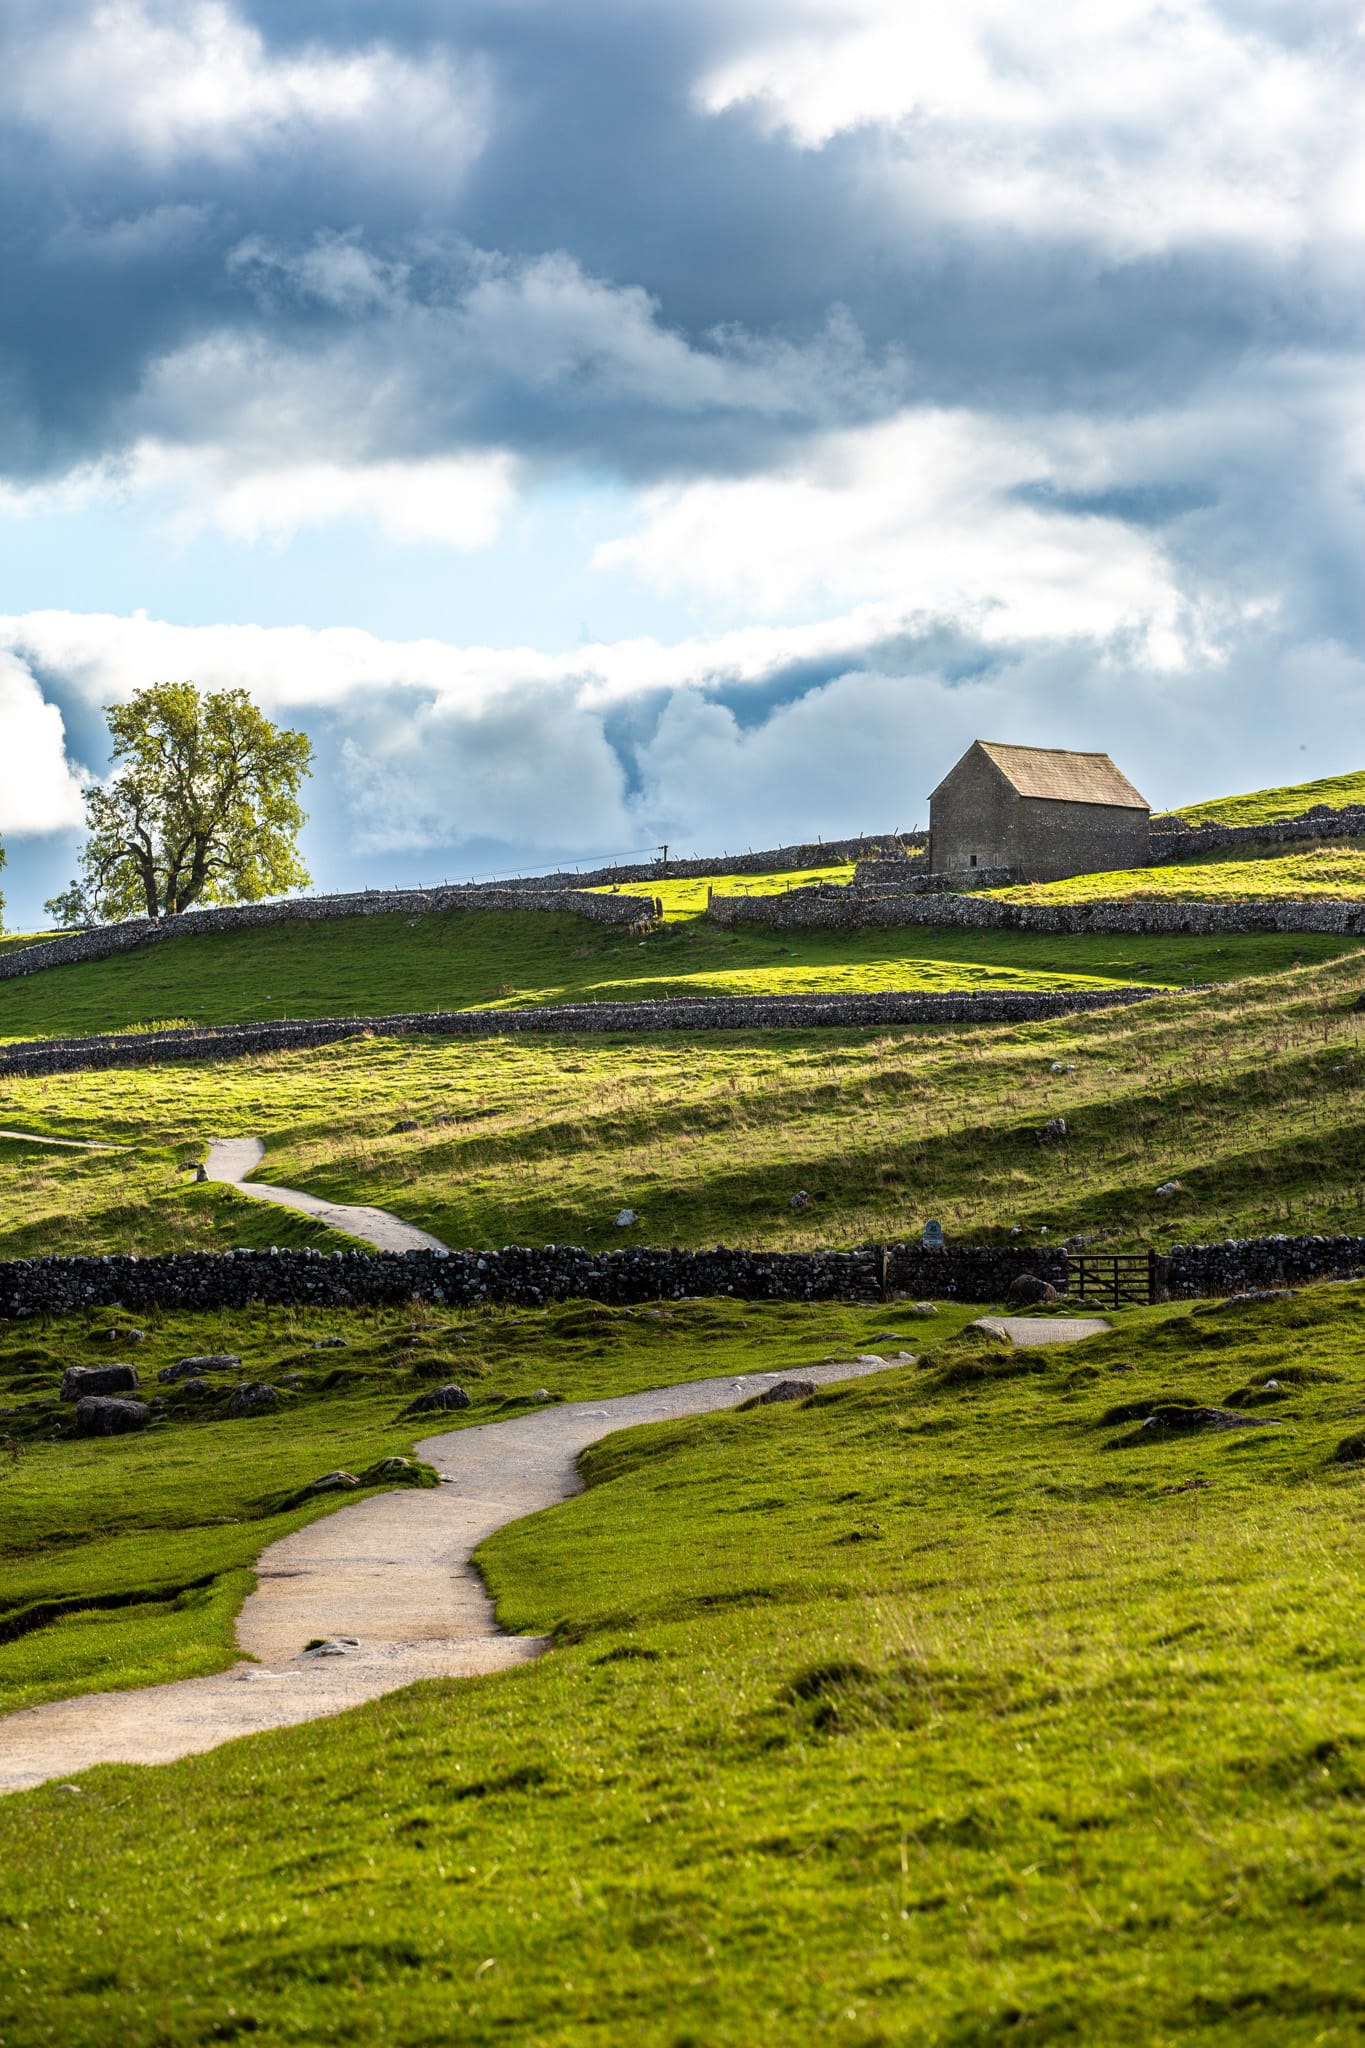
(777, 860)
(1174, 839)
(719, 1013)
(104, 940)
(530, 1276)
(828, 907)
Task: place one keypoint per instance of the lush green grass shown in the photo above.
(952, 1708)
(169, 1521)
(454, 960)
(1251, 1097)
(1335, 869)
(1262, 806)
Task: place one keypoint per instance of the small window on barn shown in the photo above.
(973, 860)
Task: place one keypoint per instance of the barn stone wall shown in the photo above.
(1056, 839)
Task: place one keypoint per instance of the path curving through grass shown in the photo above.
(230, 1160)
(370, 1599)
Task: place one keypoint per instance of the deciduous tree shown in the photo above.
(202, 807)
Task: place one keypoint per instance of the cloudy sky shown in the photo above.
(602, 423)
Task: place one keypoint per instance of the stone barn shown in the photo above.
(1041, 812)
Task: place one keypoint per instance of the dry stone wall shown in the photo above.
(721, 1013)
(1173, 839)
(828, 907)
(530, 1276)
(777, 860)
(104, 940)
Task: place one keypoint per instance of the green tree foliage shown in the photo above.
(202, 808)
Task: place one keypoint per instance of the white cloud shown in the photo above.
(164, 80)
(1139, 122)
(40, 790)
(922, 511)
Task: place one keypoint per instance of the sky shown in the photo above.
(602, 424)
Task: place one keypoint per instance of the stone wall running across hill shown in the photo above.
(530, 1276)
(626, 912)
(777, 860)
(720, 1013)
(1173, 839)
(833, 908)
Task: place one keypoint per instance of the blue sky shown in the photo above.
(602, 424)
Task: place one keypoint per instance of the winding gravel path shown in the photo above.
(231, 1159)
(67, 1144)
(386, 1583)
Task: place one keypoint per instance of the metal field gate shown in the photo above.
(1111, 1279)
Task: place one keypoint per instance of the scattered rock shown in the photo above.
(331, 1646)
(800, 1200)
(195, 1388)
(330, 1344)
(439, 1400)
(789, 1390)
(201, 1173)
(408, 1124)
(119, 1335)
(1053, 1131)
(1027, 1288)
(1255, 1294)
(1180, 1421)
(195, 1368)
(626, 1218)
(1062, 1067)
(1171, 1187)
(1351, 1449)
(542, 1394)
(332, 1482)
(100, 1415)
(255, 1398)
(391, 1468)
(888, 1337)
(97, 1379)
(923, 1308)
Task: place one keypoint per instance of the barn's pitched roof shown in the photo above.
(1064, 777)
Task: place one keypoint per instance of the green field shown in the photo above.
(1264, 806)
(1251, 1097)
(951, 1708)
(1335, 869)
(369, 966)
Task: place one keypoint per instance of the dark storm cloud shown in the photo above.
(575, 131)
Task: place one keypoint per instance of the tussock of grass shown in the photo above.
(1066, 1745)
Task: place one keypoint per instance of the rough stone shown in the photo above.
(789, 1390)
(103, 1415)
(195, 1368)
(440, 1400)
(1053, 1131)
(1027, 1288)
(626, 1218)
(256, 1398)
(116, 1378)
(332, 1482)
(800, 1200)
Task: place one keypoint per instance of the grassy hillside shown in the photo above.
(956, 1707)
(1262, 806)
(1251, 1097)
(1335, 869)
(462, 959)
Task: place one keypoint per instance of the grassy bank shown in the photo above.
(1250, 1098)
(1291, 800)
(1335, 869)
(954, 1708)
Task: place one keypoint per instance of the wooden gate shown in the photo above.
(1110, 1279)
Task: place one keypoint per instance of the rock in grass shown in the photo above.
(332, 1482)
(195, 1388)
(800, 1200)
(78, 1380)
(1175, 1420)
(789, 1390)
(439, 1400)
(1053, 1131)
(329, 1344)
(120, 1335)
(626, 1218)
(1027, 1288)
(102, 1415)
(922, 1309)
(195, 1368)
(256, 1398)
